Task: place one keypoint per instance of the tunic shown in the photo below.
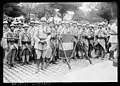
(32, 31)
(25, 40)
(113, 36)
(11, 43)
(102, 34)
(40, 35)
(3, 41)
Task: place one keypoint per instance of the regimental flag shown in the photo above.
(66, 44)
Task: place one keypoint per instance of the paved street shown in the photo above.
(54, 73)
(101, 72)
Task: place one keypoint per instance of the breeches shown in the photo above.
(40, 53)
(113, 47)
(25, 52)
(11, 56)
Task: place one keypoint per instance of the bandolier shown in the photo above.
(25, 42)
(12, 41)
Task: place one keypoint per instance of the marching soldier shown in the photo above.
(102, 34)
(49, 51)
(25, 41)
(51, 26)
(11, 44)
(90, 40)
(32, 30)
(75, 29)
(80, 43)
(40, 45)
(63, 30)
(54, 42)
(19, 30)
(3, 41)
(114, 41)
(85, 43)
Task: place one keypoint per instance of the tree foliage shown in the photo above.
(108, 10)
(12, 10)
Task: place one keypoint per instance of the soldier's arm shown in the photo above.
(20, 39)
(32, 37)
(36, 36)
(5, 40)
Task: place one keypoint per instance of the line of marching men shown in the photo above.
(25, 41)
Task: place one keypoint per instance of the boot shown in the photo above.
(23, 60)
(9, 66)
(111, 55)
(27, 59)
(86, 55)
(47, 63)
(42, 63)
(38, 63)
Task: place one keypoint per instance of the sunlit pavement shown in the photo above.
(101, 72)
(82, 70)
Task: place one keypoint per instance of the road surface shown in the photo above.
(101, 72)
(55, 72)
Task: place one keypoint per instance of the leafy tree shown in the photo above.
(12, 10)
(108, 10)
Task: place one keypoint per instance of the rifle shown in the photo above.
(65, 55)
(27, 45)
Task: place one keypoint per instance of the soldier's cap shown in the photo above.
(32, 22)
(25, 25)
(91, 25)
(20, 23)
(37, 22)
(12, 25)
(74, 22)
(14, 22)
(5, 22)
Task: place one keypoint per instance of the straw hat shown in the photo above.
(12, 25)
(5, 22)
(25, 25)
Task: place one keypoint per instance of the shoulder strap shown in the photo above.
(26, 35)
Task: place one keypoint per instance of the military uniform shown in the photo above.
(102, 34)
(91, 41)
(25, 43)
(85, 43)
(40, 44)
(11, 43)
(114, 41)
(63, 31)
(4, 42)
(31, 30)
(18, 31)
